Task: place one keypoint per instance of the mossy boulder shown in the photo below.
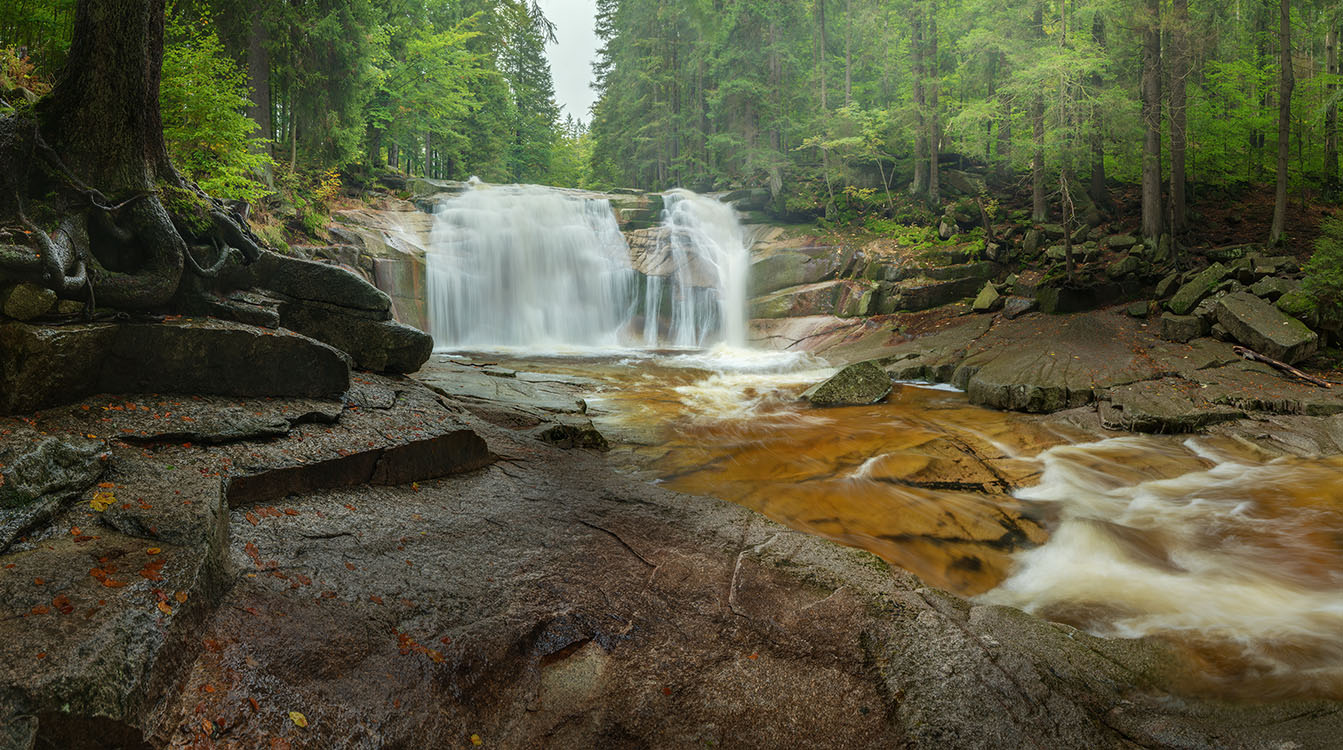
(855, 385)
(1265, 329)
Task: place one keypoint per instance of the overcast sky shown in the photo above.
(571, 59)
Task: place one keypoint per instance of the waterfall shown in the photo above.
(706, 247)
(544, 269)
(527, 266)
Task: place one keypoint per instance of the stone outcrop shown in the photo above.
(1195, 289)
(335, 306)
(42, 366)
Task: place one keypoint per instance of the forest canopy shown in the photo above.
(834, 105)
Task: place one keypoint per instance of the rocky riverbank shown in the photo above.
(284, 573)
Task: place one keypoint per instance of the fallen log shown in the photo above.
(1254, 356)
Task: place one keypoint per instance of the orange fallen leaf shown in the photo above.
(251, 518)
(181, 597)
(255, 707)
(42, 655)
(165, 609)
(41, 609)
(38, 581)
(207, 726)
(153, 551)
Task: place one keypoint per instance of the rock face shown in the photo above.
(1265, 329)
(42, 366)
(858, 384)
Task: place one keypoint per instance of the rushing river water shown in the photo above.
(1233, 554)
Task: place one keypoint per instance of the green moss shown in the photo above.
(187, 208)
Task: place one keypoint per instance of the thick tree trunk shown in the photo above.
(94, 155)
(1286, 82)
(1152, 223)
(821, 52)
(1331, 176)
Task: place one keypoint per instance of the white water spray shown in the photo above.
(547, 269)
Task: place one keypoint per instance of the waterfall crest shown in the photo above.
(545, 269)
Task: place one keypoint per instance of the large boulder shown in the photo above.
(42, 366)
(842, 298)
(1194, 290)
(1265, 329)
(855, 385)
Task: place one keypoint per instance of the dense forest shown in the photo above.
(837, 106)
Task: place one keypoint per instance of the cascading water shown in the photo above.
(543, 268)
(527, 266)
(706, 248)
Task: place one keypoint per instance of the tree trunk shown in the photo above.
(1179, 71)
(1096, 189)
(1151, 117)
(934, 119)
(821, 52)
(1331, 176)
(848, 52)
(920, 185)
(1005, 131)
(1285, 84)
(1039, 208)
(126, 215)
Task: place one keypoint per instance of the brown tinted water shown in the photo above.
(1234, 554)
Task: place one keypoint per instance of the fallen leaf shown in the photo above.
(165, 609)
(298, 718)
(207, 726)
(181, 597)
(42, 655)
(38, 581)
(476, 740)
(41, 609)
(63, 605)
(251, 518)
(153, 551)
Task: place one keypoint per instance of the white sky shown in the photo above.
(571, 59)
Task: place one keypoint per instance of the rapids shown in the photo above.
(1233, 555)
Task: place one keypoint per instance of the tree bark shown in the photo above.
(934, 116)
(1179, 72)
(1096, 188)
(1152, 223)
(1331, 175)
(1039, 208)
(920, 185)
(1286, 81)
(93, 153)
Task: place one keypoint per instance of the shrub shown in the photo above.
(1324, 271)
(202, 95)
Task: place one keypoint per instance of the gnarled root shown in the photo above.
(164, 257)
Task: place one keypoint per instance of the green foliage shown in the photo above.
(202, 94)
(1323, 280)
